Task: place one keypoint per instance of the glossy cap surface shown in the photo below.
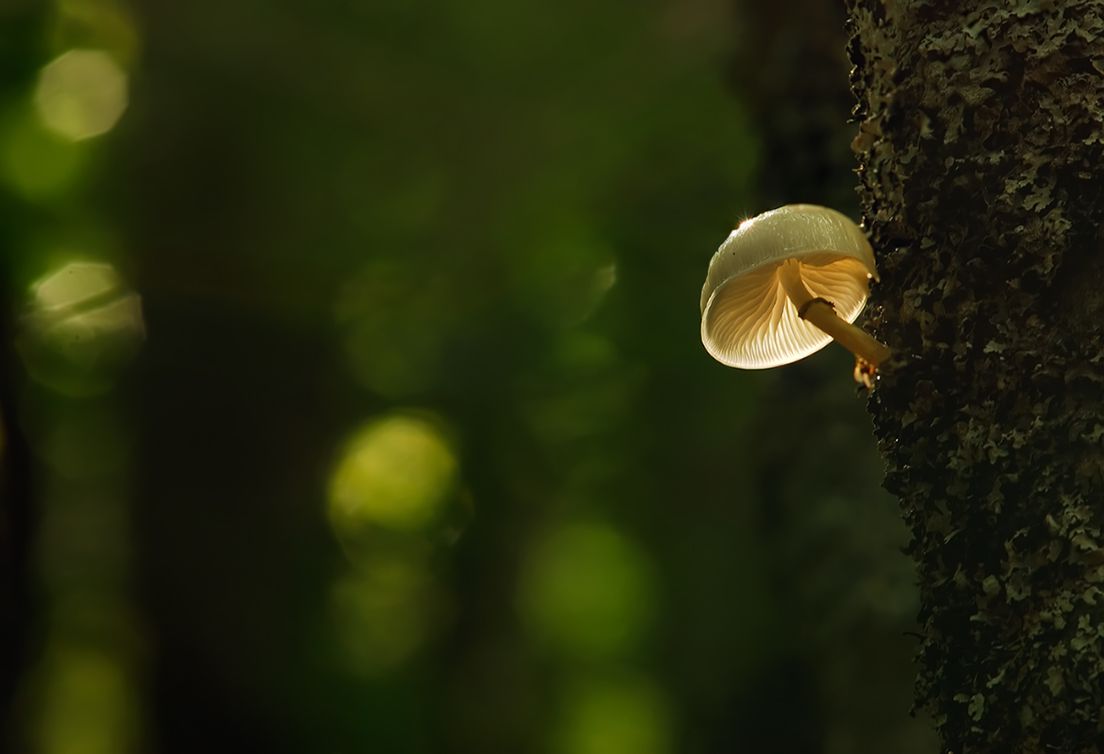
(748, 321)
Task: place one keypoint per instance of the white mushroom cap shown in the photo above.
(748, 321)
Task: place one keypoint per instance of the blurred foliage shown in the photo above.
(354, 349)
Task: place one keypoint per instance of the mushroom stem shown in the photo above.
(822, 315)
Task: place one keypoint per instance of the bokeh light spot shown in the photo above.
(81, 94)
(382, 613)
(74, 284)
(398, 473)
(36, 162)
(87, 706)
(615, 716)
(84, 324)
(588, 590)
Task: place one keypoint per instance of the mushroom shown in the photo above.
(784, 284)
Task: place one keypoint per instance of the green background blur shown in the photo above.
(354, 399)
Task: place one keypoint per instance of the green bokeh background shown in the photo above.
(414, 446)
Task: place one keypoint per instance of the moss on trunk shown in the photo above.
(980, 144)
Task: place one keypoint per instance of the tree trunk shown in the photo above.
(16, 523)
(980, 144)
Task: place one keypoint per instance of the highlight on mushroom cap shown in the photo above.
(748, 321)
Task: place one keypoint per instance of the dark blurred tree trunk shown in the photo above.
(980, 135)
(15, 525)
(789, 69)
(21, 29)
(841, 680)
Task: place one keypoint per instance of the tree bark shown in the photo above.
(980, 143)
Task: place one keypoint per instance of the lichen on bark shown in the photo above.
(980, 143)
